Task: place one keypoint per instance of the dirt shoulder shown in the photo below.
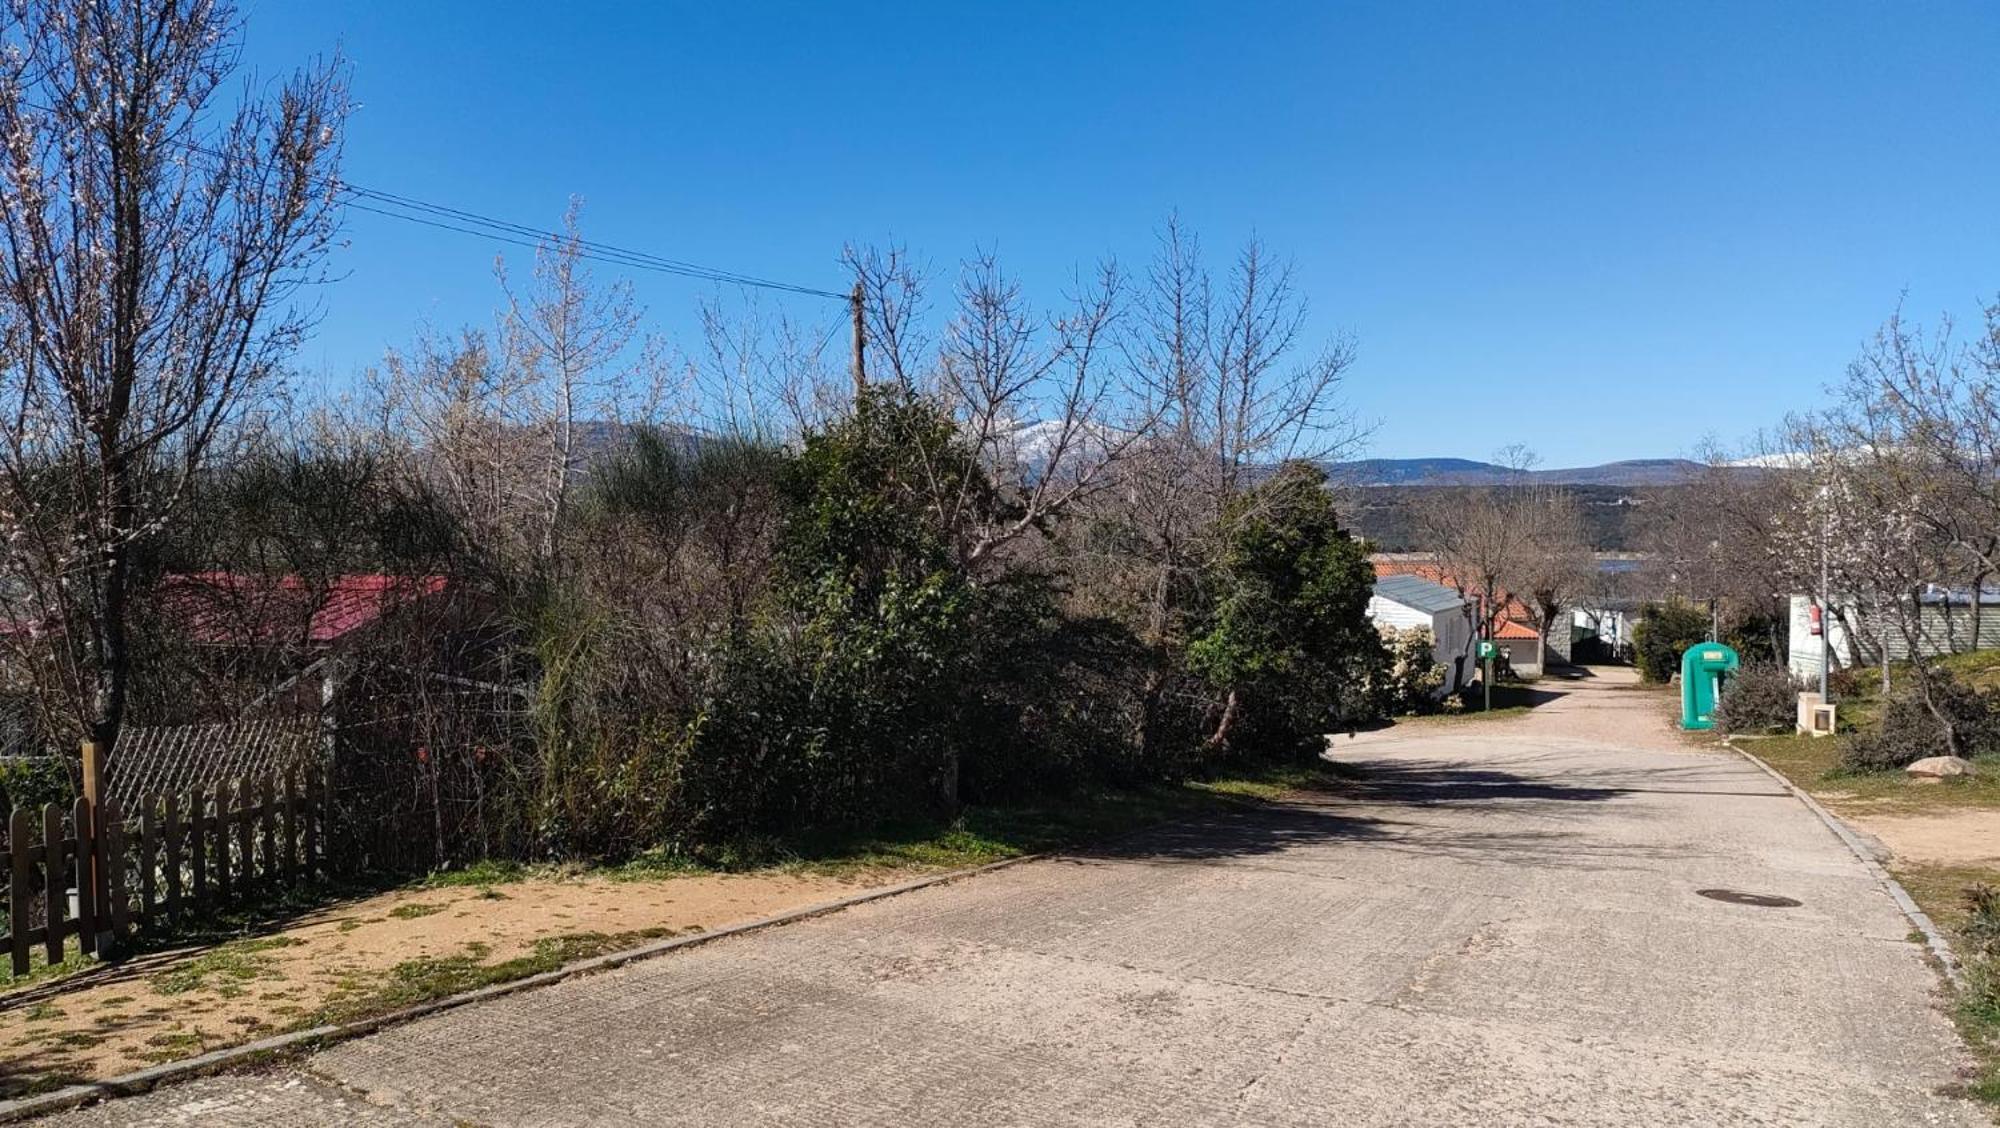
(364, 956)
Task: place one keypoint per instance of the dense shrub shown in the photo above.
(1761, 697)
(31, 781)
(1846, 682)
(1908, 730)
(1663, 634)
(1288, 644)
(852, 702)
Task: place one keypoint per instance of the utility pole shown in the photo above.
(860, 340)
(1825, 602)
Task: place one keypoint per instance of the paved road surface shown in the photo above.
(1500, 927)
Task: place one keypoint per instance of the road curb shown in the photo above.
(216, 1061)
(1934, 939)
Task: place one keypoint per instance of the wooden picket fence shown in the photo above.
(100, 874)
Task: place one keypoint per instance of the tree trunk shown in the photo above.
(1156, 677)
(1978, 604)
(1219, 739)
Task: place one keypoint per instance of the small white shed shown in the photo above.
(1411, 601)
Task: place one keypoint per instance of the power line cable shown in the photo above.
(507, 231)
(511, 232)
(532, 238)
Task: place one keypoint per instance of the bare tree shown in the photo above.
(155, 235)
(1030, 393)
(1477, 538)
(1558, 565)
(567, 339)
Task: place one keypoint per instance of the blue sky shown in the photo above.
(1603, 230)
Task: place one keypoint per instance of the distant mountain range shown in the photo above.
(596, 439)
(1467, 472)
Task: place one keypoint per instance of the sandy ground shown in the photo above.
(173, 1005)
(1937, 838)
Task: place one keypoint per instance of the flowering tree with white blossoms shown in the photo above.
(159, 229)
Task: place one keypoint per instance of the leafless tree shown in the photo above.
(1031, 393)
(1522, 542)
(157, 231)
(566, 342)
(1558, 566)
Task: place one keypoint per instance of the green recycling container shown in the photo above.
(1705, 670)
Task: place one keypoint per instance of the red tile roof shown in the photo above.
(228, 607)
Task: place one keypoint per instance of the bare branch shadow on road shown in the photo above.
(1274, 829)
(1389, 805)
(1425, 782)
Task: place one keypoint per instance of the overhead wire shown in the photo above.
(519, 234)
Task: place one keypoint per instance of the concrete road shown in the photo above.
(1499, 926)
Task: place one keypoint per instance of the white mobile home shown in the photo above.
(1410, 601)
(1947, 621)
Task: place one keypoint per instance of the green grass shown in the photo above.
(225, 968)
(414, 910)
(985, 834)
(1474, 713)
(437, 977)
(1814, 763)
(482, 873)
(40, 970)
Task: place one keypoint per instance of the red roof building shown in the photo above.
(232, 608)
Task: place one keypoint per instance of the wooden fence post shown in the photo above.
(93, 865)
(204, 883)
(149, 850)
(267, 826)
(86, 876)
(20, 841)
(175, 911)
(246, 841)
(55, 881)
(288, 857)
(310, 847)
(114, 907)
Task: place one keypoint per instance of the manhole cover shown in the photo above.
(1739, 897)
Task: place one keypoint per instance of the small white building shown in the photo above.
(1611, 627)
(1411, 601)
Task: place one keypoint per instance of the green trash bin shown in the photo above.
(1705, 670)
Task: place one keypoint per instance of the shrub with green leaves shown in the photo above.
(1664, 632)
(31, 781)
(1289, 644)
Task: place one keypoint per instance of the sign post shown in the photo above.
(1486, 651)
